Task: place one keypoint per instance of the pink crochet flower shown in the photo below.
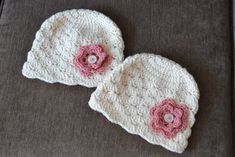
(167, 118)
(91, 59)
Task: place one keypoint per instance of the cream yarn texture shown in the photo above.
(56, 42)
(141, 81)
(128, 91)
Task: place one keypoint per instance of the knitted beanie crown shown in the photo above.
(75, 47)
(150, 96)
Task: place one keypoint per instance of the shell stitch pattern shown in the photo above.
(56, 43)
(138, 84)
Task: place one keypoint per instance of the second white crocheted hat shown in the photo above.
(150, 96)
(75, 47)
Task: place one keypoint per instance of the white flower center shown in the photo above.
(169, 118)
(92, 59)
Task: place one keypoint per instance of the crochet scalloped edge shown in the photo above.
(92, 84)
(92, 102)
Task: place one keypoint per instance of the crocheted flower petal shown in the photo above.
(85, 73)
(168, 128)
(177, 122)
(178, 112)
(81, 64)
(168, 101)
(169, 134)
(95, 48)
(101, 58)
(167, 108)
(152, 125)
(152, 111)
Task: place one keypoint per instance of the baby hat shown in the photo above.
(150, 96)
(75, 47)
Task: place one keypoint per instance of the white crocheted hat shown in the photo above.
(75, 47)
(150, 96)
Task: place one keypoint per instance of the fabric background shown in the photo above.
(38, 119)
